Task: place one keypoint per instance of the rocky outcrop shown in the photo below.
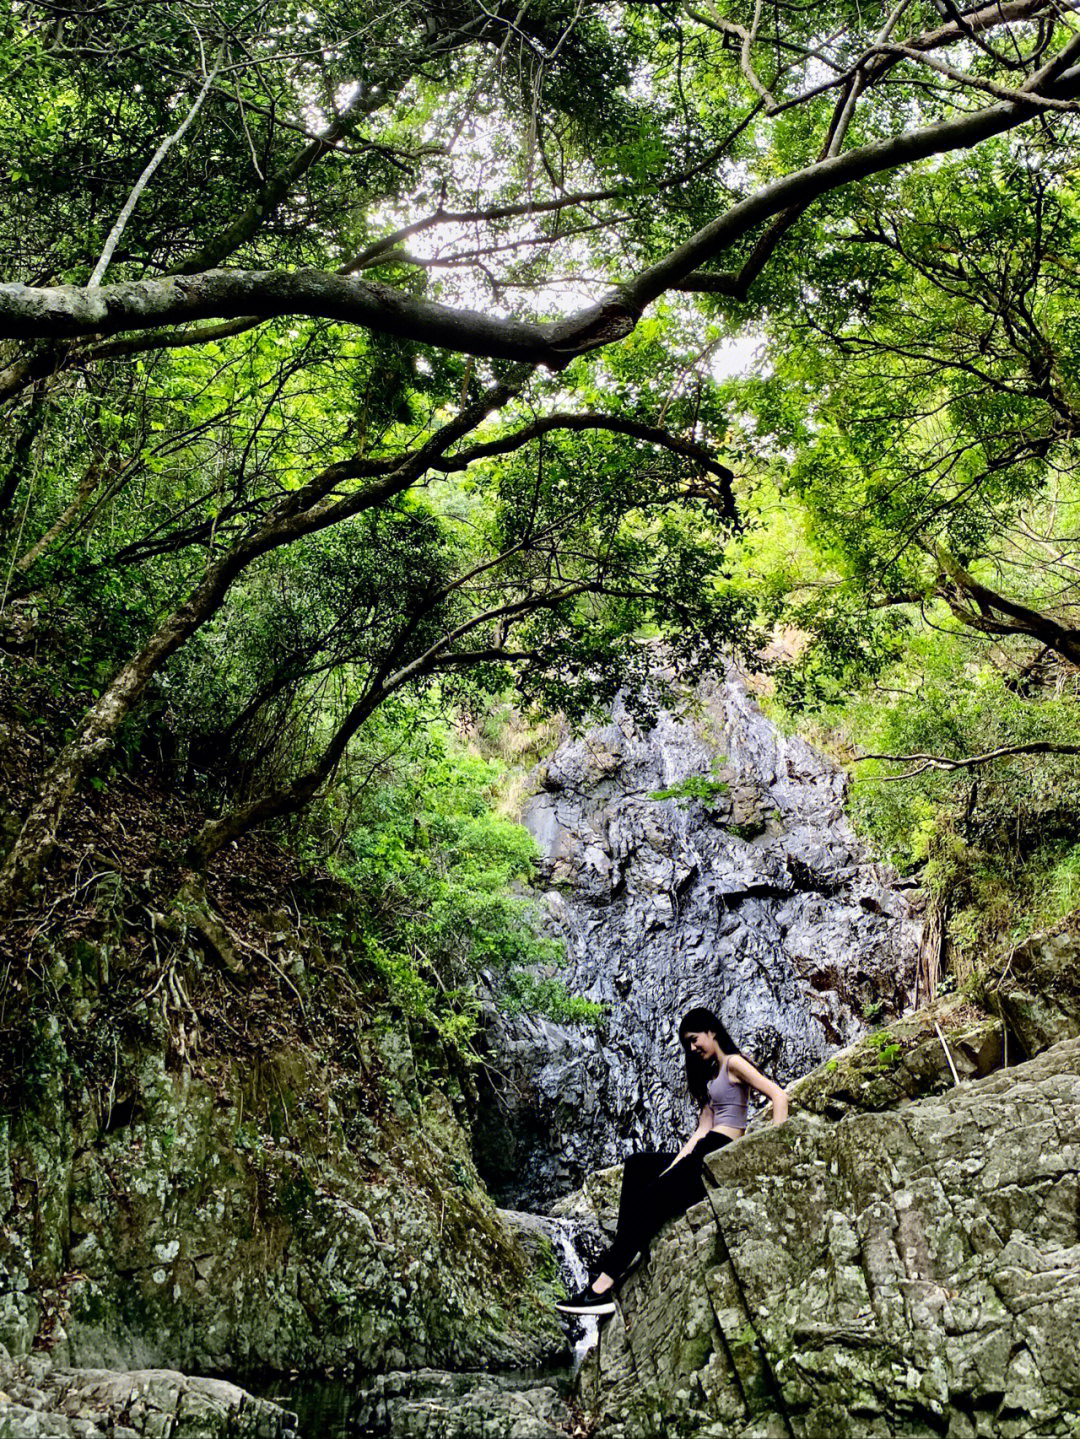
(434, 1405)
(596, 1203)
(744, 889)
(281, 1215)
(924, 1052)
(913, 1271)
(1038, 991)
(38, 1401)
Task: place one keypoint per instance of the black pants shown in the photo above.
(649, 1198)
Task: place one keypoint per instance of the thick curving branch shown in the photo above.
(814, 181)
(297, 794)
(68, 312)
(616, 424)
(315, 507)
(1022, 619)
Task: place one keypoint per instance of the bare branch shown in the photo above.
(1044, 628)
(924, 762)
(144, 180)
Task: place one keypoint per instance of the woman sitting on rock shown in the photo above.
(657, 1187)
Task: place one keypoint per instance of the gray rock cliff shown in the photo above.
(747, 891)
(38, 1401)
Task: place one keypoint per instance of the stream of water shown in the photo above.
(354, 1409)
(564, 1234)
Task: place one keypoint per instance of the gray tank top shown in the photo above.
(728, 1099)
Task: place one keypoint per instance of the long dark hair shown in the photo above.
(700, 1070)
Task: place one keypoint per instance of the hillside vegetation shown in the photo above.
(383, 390)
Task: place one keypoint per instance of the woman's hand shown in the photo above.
(705, 1124)
(742, 1069)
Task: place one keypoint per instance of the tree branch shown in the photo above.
(144, 180)
(924, 762)
(1041, 627)
(67, 311)
(301, 512)
(617, 424)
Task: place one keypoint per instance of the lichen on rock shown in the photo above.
(40, 1401)
(1038, 989)
(278, 1214)
(904, 1272)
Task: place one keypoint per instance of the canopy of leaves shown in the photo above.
(356, 357)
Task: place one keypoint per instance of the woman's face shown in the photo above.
(703, 1043)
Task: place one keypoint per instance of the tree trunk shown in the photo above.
(88, 485)
(20, 457)
(37, 838)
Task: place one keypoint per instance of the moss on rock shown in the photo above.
(904, 1062)
(277, 1214)
(905, 1272)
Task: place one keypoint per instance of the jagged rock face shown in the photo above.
(755, 899)
(913, 1272)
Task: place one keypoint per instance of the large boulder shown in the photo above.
(907, 1272)
(1038, 991)
(38, 1401)
(282, 1214)
(427, 1404)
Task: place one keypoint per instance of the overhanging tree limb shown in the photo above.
(314, 507)
(617, 424)
(298, 793)
(720, 495)
(819, 179)
(924, 762)
(65, 311)
(1064, 640)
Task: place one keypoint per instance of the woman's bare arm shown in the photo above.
(742, 1069)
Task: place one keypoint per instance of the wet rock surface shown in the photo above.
(908, 1272)
(37, 1399)
(745, 890)
(429, 1404)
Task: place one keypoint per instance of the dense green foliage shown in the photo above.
(695, 786)
(312, 426)
(917, 532)
(439, 872)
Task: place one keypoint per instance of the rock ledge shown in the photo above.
(39, 1400)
